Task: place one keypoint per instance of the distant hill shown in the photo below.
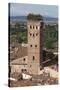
(18, 18)
(24, 19)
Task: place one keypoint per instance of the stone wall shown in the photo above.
(34, 46)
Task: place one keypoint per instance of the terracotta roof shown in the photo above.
(21, 52)
(20, 61)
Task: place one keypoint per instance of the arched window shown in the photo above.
(33, 27)
(24, 59)
(36, 34)
(30, 34)
(30, 45)
(35, 45)
(30, 27)
(23, 70)
(36, 27)
(33, 35)
(33, 58)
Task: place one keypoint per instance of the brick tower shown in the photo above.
(34, 26)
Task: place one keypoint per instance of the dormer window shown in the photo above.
(25, 70)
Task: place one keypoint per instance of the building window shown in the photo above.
(33, 58)
(30, 27)
(24, 59)
(36, 27)
(36, 34)
(33, 27)
(30, 34)
(23, 70)
(35, 45)
(30, 45)
(33, 35)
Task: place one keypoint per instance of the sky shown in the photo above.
(17, 9)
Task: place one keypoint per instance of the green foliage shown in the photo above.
(51, 36)
(18, 34)
(13, 38)
(49, 44)
(34, 17)
(22, 37)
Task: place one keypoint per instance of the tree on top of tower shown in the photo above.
(36, 17)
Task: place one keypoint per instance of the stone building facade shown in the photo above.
(34, 46)
(19, 65)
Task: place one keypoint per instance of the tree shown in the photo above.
(50, 36)
(34, 17)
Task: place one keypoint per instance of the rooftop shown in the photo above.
(20, 61)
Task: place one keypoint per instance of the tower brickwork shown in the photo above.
(34, 45)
